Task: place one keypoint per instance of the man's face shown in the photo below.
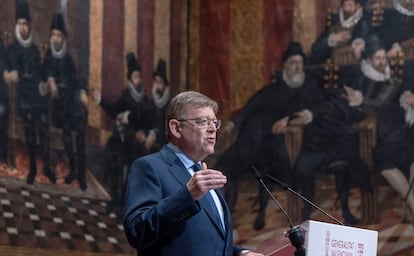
(294, 66)
(379, 61)
(24, 28)
(197, 140)
(136, 78)
(350, 7)
(57, 39)
(408, 4)
(159, 84)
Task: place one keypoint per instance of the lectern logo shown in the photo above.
(360, 250)
(327, 242)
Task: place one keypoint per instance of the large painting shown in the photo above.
(70, 69)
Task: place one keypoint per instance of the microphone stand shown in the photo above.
(284, 186)
(294, 233)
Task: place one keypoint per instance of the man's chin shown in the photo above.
(209, 150)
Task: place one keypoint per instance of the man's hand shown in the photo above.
(7, 77)
(140, 136)
(279, 125)
(358, 48)
(300, 119)
(14, 76)
(84, 98)
(392, 53)
(409, 99)
(123, 117)
(52, 87)
(350, 95)
(341, 36)
(43, 88)
(150, 140)
(96, 95)
(205, 180)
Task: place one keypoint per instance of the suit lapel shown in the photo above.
(210, 212)
(178, 171)
(176, 168)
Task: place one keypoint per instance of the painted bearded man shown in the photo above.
(398, 26)
(348, 27)
(69, 100)
(392, 103)
(133, 137)
(32, 106)
(260, 141)
(161, 98)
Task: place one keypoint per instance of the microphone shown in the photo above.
(294, 233)
(284, 186)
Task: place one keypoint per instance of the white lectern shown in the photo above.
(331, 239)
(325, 239)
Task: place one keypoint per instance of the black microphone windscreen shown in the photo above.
(280, 183)
(256, 173)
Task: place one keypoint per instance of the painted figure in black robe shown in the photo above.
(287, 101)
(69, 100)
(160, 98)
(331, 145)
(4, 107)
(347, 27)
(32, 106)
(392, 103)
(398, 28)
(134, 135)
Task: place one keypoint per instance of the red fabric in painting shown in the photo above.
(214, 51)
(278, 32)
(146, 12)
(113, 50)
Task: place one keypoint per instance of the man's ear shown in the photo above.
(175, 128)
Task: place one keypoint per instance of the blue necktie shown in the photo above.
(197, 167)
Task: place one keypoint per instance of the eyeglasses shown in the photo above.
(204, 122)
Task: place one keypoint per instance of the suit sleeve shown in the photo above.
(150, 215)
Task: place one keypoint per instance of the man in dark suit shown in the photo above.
(397, 26)
(173, 202)
(32, 105)
(69, 100)
(390, 100)
(160, 98)
(134, 136)
(347, 27)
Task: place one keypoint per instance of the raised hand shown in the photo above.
(205, 180)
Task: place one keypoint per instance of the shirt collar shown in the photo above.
(352, 20)
(187, 162)
(373, 74)
(401, 9)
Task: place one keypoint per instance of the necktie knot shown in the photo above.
(196, 167)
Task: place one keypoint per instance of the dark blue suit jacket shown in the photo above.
(161, 217)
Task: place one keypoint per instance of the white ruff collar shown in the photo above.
(352, 20)
(23, 42)
(135, 94)
(291, 83)
(58, 53)
(401, 9)
(160, 100)
(373, 74)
